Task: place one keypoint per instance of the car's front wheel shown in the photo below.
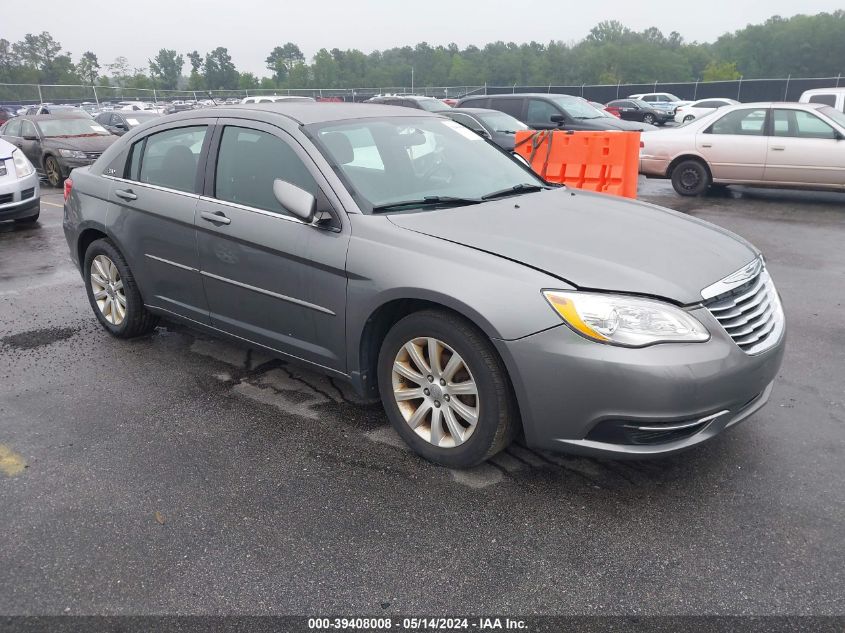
(648, 118)
(113, 293)
(53, 171)
(445, 389)
(691, 178)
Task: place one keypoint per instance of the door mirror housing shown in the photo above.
(298, 201)
(29, 137)
(558, 118)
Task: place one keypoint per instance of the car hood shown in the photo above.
(613, 123)
(82, 143)
(594, 241)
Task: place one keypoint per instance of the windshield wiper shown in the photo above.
(520, 188)
(425, 202)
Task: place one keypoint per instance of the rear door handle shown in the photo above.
(126, 194)
(778, 148)
(216, 218)
(706, 145)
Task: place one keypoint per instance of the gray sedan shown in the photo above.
(397, 250)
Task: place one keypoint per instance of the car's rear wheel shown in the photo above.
(113, 292)
(445, 389)
(691, 178)
(53, 171)
(648, 118)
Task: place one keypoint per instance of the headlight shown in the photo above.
(23, 167)
(624, 320)
(72, 153)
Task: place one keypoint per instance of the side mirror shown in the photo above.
(558, 118)
(29, 137)
(298, 201)
(122, 126)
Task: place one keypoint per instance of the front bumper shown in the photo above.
(570, 390)
(67, 165)
(19, 206)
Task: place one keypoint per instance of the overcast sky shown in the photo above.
(251, 28)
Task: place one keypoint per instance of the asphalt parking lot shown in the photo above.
(180, 474)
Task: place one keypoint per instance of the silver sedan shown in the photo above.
(793, 145)
(19, 193)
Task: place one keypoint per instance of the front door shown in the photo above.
(804, 149)
(269, 277)
(735, 145)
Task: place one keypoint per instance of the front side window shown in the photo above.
(248, 163)
(415, 159)
(28, 129)
(168, 159)
(800, 124)
(540, 112)
(744, 122)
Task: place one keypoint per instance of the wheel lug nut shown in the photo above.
(426, 392)
(431, 379)
(447, 397)
(437, 404)
(442, 383)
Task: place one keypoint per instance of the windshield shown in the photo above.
(389, 161)
(501, 122)
(835, 115)
(71, 127)
(577, 108)
(433, 105)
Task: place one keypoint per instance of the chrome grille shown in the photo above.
(751, 314)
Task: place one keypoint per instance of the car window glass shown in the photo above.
(471, 123)
(28, 129)
(540, 112)
(170, 158)
(800, 124)
(708, 104)
(13, 128)
(649, 98)
(825, 99)
(745, 122)
(248, 163)
(508, 106)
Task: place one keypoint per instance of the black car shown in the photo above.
(6, 113)
(638, 110)
(430, 104)
(121, 122)
(543, 111)
(497, 126)
(57, 143)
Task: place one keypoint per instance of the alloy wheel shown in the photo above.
(52, 169)
(435, 392)
(107, 288)
(648, 119)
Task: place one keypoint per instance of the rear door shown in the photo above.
(152, 215)
(269, 277)
(735, 145)
(804, 149)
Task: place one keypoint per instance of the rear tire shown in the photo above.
(691, 177)
(437, 422)
(113, 293)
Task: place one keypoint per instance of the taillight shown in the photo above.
(642, 144)
(68, 188)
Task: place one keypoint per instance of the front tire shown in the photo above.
(691, 178)
(445, 389)
(648, 118)
(113, 293)
(53, 171)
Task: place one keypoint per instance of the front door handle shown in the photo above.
(126, 194)
(778, 148)
(216, 218)
(706, 145)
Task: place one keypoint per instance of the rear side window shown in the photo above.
(247, 164)
(508, 106)
(168, 159)
(481, 102)
(540, 113)
(825, 99)
(709, 104)
(745, 122)
(13, 128)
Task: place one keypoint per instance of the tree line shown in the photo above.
(801, 46)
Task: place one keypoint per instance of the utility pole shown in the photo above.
(412, 80)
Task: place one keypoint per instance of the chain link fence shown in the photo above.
(747, 90)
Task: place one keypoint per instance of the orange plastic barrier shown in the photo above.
(607, 162)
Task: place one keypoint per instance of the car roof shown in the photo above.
(57, 115)
(476, 111)
(306, 113)
(832, 89)
(524, 94)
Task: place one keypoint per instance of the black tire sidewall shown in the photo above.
(477, 447)
(134, 303)
(704, 181)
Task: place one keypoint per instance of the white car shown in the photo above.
(834, 97)
(20, 197)
(274, 98)
(686, 113)
(792, 145)
(663, 100)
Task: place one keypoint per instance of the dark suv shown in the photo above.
(430, 104)
(551, 112)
